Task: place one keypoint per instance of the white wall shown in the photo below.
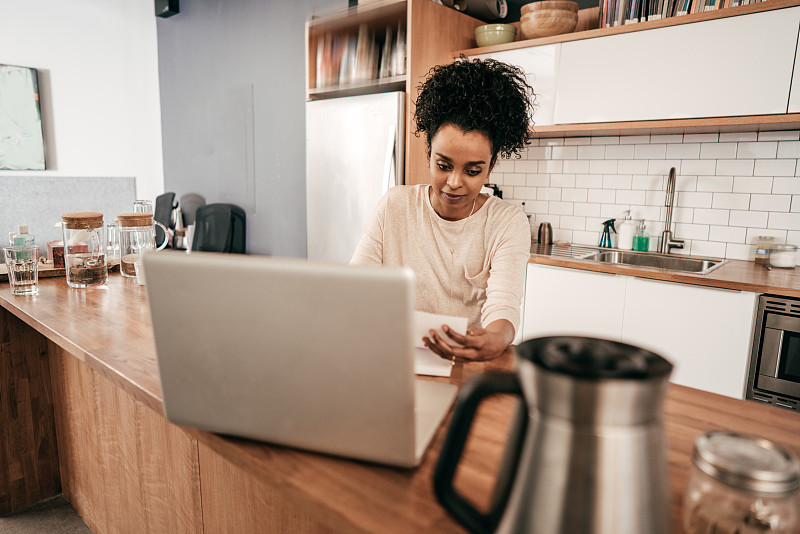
(730, 187)
(98, 83)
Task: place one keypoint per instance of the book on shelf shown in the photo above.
(617, 12)
(360, 55)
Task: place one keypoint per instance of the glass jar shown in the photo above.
(741, 483)
(764, 244)
(784, 256)
(84, 249)
(137, 235)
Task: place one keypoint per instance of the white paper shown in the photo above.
(427, 362)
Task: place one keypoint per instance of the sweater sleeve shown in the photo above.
(369, 250)
(509, 256)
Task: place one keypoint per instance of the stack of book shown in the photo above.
(348, 58)
(618, 12)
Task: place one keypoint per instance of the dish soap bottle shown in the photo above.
(605, 238)
(626, 232)
(641, 241)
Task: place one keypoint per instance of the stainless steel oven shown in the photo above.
(774, 375)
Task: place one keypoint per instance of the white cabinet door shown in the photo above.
(540, 64)
(561, 301)
(794, 96)
(705, 332)
(733, 66)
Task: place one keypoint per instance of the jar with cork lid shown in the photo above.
(84, 249)
(741, 484)
(137, 235)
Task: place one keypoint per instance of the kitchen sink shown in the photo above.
(686, 264)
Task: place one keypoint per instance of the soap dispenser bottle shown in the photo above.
(605, 239)
(626, 232)
(641, 241)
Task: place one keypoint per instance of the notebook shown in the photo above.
(310, 355)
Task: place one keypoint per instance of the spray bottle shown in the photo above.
(605, 239)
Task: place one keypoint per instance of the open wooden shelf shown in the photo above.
(381, 85)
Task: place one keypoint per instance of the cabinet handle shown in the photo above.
(659, 281)
(545, 266)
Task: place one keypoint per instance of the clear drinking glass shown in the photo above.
(142, 206)
(23, 269)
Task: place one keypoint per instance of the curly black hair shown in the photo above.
(477, 95)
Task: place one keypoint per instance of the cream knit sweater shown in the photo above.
(472, 268)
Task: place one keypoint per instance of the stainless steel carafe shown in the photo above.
(587, 451)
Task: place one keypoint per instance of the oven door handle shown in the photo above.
(771, 352)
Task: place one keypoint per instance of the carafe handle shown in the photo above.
(166, 235)
(473, 393)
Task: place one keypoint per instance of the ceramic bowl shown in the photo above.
(495, 34)
(548, 17)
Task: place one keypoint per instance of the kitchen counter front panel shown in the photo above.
(126, 469)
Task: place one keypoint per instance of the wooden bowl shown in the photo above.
(548, 17)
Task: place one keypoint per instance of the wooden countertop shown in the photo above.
(733, 274)
(109, 329)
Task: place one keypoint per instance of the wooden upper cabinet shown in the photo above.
(719, 68)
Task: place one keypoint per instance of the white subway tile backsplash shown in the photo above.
(763, 149)
(602, 166)
(699, 167)
(776, 167)
(788, 149)
(548, 193)
(735, 167)
(683, 151)
(574, 195)
(601, 196)
(634, 139)
(551, 166)
(613, 181)
(562, 180)
(667, 138)
(731, 187)
(784, 221)
(537, 180)
(711, 216)
(564, 152)
(626, 196)
(737, 136)
(715, 184)
(717, 150)
(560, 208)
(701, 138)
(770, 202)
(587, 210)
(789, 135)
(728, 234)
(731, 201)
(689, 199)
(752, 184)
(589, 181)
(574, 141)
(576, 166)
(632, 166)
(658, 151)
(592, 152)
(620, 151)
(748, 219)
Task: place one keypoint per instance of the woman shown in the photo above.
(468, 250)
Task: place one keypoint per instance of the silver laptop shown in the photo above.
(310, 355)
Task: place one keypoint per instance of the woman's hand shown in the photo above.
(477, 344)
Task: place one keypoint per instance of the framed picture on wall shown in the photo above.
(21, 138)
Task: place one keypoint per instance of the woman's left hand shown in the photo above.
(477, 344)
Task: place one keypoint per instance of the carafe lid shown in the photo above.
(594, 358)
(78, 220)
(127, 220)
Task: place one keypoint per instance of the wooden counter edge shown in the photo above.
(711, 279)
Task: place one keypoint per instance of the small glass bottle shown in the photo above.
(741, 483)
(764, 245)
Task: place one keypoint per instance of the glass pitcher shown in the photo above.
(137, 235)
(84, 249)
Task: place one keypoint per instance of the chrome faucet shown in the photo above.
(667, 241)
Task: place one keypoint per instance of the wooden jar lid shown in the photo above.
(128, 220)
(78, 220)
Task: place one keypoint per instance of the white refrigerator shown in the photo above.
(354, 153)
